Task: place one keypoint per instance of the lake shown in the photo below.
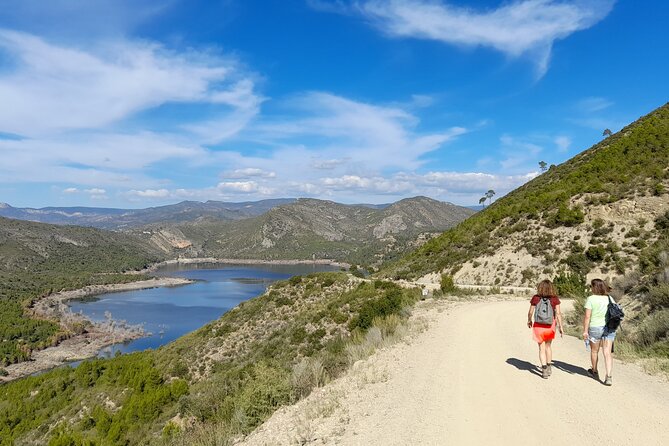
(170, 312)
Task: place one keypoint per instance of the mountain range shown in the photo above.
(116, 219)
(309, 228)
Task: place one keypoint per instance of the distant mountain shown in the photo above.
(310, 228)
(107, 218)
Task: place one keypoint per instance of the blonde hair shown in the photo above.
(599, 287)
(546, 288)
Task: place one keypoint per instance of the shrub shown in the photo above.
(266, 388)
(659, 189)
(390, 303)
(307, 374)
(447, 284)
(572, 285)
(596, 253)
(662, 222)
(658, 296)
(578, 263)
(653, 328)
(565, 216)
(295, 280)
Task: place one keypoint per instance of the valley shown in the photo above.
(224, 379)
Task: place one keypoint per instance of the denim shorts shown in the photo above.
(597, 333)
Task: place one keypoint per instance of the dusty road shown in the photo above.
(471, 379)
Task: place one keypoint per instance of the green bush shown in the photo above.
(653, 328)
(578, 263)
(565, 216)
(390, 303)
(572, 286)
(658, 295)
(447, 284)
(596, 253)
(662, 222)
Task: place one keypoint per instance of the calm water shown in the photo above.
(169, 313)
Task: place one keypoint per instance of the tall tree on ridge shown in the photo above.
(542, 166)
(607, 133)
(489, 195)
(482, 201)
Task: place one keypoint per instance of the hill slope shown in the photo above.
(314, 228)
(592, 214)
(37, 258)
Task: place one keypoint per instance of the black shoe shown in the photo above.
(593, 374)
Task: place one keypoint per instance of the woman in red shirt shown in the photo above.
(544, 333)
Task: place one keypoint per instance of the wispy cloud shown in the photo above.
(593, 104)
(563, 143)
(51, 88)
(340, 131)
(72, 108)
(518, 153)
(520, 28)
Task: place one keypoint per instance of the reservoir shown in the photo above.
(170, 312)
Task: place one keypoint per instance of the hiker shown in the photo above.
(542, 317)
(595, 330)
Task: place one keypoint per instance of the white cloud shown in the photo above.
(522, 27)
(332, 131)
(71, 190)
(376, 185)
(245, 187)
(68, 103)
(150, 193)
(593, 104)
(563, 143)
(518, 153)
(51, 88)
(95, 191)
(329, 164)
(248, 172)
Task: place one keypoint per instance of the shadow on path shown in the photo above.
(562, 366)
(524, 365)
(570, 368)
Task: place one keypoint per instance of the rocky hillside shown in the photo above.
(594, 214)
(310, 228)
(106, 218)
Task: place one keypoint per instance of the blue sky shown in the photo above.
(122, 103)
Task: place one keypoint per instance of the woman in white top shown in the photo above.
(594, 328)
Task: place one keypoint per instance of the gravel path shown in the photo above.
(471, 379)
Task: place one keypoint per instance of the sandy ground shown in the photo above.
(87, 345)
(471, 379)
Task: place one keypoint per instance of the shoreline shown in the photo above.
(215, 260)
(94, 336)
(89, 337)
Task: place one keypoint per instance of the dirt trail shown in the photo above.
(471, 379)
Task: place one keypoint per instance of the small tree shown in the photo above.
(542, 166)
(482, 201)
(607, 133)
(489, 195)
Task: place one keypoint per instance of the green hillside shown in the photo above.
(628, 165)
(37, 259)
(223, 379)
